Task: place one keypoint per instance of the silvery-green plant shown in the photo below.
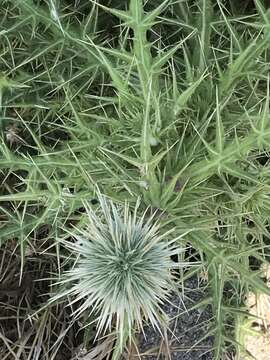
(122, 271)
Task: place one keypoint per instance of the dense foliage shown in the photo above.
(167, 101)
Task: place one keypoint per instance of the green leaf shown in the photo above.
(239, 173)
(162, 59)
(141, 46)
(119, 54)
(264, 14)
(151, 16)
(202, 49)
(185, 96)
(25, 196)
(242, 64)
(232, 31)
(264, 119)
(168, 191)
(146, 153)
(220, 138)
(120, 14)
(114, 73)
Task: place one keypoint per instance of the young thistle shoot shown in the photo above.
(123, 269)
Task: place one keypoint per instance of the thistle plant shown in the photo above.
(122, 271)
(171, 105)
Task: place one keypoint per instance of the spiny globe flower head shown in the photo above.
(123, 269)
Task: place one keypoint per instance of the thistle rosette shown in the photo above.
(123, 269)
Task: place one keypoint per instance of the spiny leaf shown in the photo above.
(242, 63)
(151, 16)
(239, 173)
(115, 75)
(264, 14)
(122, 15)
(119, 54)
(200, 58)
(169, 190)
(184, 97)
(141, 46)
(160, 60)
(146, 153)
(264, 120)
(219, 127)
(232, 31)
